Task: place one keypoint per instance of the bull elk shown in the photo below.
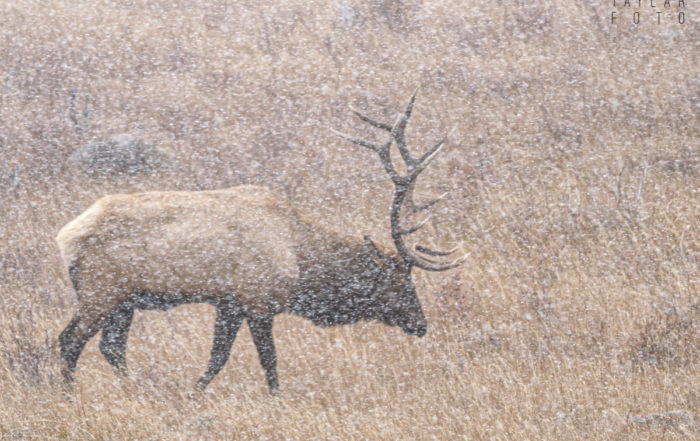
(246, 252)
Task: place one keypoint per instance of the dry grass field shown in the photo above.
(574, 180)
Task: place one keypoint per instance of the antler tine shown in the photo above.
(402, 231)
(410, 201)
(437, 146)
(437, 253)
(398, 132)
(427, 158)
(431, 266)
(417, 209)
(370, 121)
(357, 141)
(383, 151)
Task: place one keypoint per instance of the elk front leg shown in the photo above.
(228, 319)
(261, 329)
(114, 335)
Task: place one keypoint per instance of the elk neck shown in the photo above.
(337, 282)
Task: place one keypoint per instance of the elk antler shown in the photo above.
(404, 185)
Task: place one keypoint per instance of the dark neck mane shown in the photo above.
(337, 283)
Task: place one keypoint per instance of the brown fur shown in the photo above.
(211, 243)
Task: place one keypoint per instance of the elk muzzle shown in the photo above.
(415, 325)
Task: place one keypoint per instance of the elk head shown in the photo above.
(403, 308)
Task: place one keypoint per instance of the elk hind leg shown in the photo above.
(261, 329)
(72, 341)
(228, 319)
(114, 335)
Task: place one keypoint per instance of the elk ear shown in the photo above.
(372, 247)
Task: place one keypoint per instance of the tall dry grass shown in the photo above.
(573, 179)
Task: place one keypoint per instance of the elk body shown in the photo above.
(244, 251)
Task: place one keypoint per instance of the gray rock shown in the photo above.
(672, 418)
(119, 154)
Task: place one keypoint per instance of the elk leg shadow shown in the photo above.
(261, 329)
(229, 317)
(114, 335)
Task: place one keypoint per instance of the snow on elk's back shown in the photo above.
(173, 242)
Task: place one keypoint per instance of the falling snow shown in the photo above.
(236, 157)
